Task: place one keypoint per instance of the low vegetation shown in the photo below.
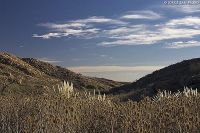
(33, 101)
(73, 112)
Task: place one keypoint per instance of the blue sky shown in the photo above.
(119, 40)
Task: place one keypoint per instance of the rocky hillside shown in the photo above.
(173, 78)
(27, 75)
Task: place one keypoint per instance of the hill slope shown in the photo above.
(26, 75)
(80, 81)
(173, 78)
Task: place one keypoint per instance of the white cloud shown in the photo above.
(189, 9)
(117, 32)
(47, 36)
(188, 27)
(68, 32)
(103, 55)
(78, 28)
(149, 37)
(181, 44)
(106, 56)
(99, 19)
(61, 26)
(90, 69)
(90, 27)
(125, 30)
(48, 60)
(82, 23)
(142, 15)
(187, 21)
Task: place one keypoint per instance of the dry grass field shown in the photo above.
(89, 113)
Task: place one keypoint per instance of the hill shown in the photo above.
(80, 81)
(28, 75)
(172, 78)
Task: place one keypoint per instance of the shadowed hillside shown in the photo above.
(172, 78)
(27, 75)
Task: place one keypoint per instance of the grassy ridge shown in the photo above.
(87, 113)
(31, 76)
(171, 78)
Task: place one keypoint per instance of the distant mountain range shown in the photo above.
(32, 76)
(172, 78)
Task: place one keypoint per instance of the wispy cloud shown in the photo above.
(122, 31)
(68, 32)
(125, 29)
(187, 27)
(103, 55)
(187, 21)
(82, 23)
(189, 9)
(99, 19)
(48, 60)
(47, 36)
(106, 56)
(61, 26)
(146, 14)
(77, 28)
(181, 44)
(88, 69)
(89, 27)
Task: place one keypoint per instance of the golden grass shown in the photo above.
(87, 114)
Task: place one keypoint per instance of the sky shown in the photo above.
(121, 40)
